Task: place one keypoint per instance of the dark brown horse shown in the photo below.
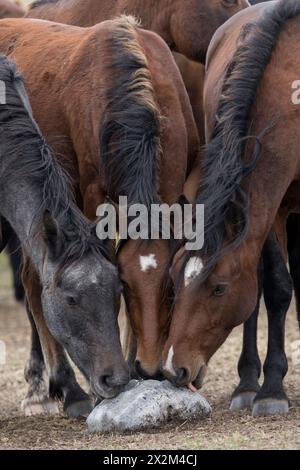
(10, 9)
(186, 26)
(79, 102)
(252, 143)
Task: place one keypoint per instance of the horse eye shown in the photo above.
(71, 301)
(219, 290)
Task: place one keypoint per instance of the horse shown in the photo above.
(79, 284)
(187, 27)
(9, 9)
(134, 82)
(217, 286)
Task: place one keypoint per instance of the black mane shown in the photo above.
(223, 192)
(130, 126)
(30, 157)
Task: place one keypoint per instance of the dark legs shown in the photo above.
(249, 366)
(277, 286)
(271, 398)
(10, 241)
(63, 384)
(293, 231)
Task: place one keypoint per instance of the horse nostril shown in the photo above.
(182, 376)
(145, 375)
(114, 380)
(140, 371)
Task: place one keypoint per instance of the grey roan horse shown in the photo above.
(80, 284)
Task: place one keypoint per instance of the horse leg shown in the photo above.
(128, 340)
(293, 232)
(271, 399)
(9, 240)
(37, 400)
(249, 365)
(62, 381)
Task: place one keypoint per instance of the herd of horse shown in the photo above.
(157, 101)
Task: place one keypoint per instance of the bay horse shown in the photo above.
(218, 286)
(72, 265)
(187, 27)
(78, 102)
(10, 9)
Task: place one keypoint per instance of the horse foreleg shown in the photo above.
(62, 381)
(271, 398)
(249, 366)
(128, 340)
(293, 232)
(37, 399)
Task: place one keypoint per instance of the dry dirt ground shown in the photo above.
(223, 430)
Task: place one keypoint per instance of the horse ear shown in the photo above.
(52, 235)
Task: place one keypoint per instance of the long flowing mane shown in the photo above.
(223, 191)
(31, 158)
(131, 124)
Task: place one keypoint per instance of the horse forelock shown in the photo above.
(130, 126)
(225, 188)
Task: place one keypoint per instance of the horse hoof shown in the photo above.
(79, 409)
(270, 406)
(242, 401)
(36, 406)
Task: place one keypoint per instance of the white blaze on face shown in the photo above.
(148, 262)
(193, 268)
(168, 367)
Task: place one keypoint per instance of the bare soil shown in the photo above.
(223, 430)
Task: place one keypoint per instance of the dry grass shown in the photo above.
(223, 430)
